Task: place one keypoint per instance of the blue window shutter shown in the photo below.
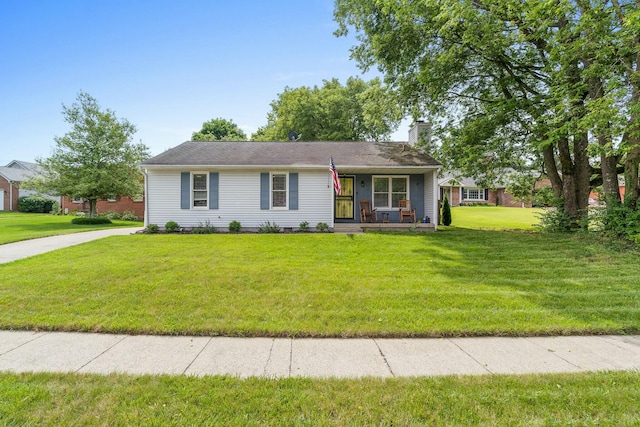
(214, 180)
(293, 191)
(185, 190)
(264, 191)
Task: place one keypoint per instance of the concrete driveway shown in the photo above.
(14, 251)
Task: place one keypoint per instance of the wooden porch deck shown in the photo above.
(379, 226)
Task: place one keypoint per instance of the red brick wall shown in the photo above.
(8, 203)
(121, 205)
(503, 198)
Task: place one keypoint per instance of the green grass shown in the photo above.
(456, 282)
(495, 217)
(16, 226)
(599, 399)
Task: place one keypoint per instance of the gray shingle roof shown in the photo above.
(19, 171)
(293, 154)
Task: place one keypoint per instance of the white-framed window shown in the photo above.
(279, 190)
(199, 189)
(78, 200)
(388, 190)
(473, 194)
(112, 199)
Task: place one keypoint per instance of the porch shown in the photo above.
(356, 227)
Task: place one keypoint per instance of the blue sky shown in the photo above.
(166, 66)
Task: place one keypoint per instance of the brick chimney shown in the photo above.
(420, 130)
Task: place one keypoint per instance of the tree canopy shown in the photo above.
(514, 83)
(95, 159)
(357, 111)
(219, 129)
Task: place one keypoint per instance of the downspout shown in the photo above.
(146, 202)
(436, 198)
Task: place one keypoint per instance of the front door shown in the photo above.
(344, 202)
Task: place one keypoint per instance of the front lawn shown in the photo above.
(598, 399)
(16, 226)
(495, 217)
(455, 282)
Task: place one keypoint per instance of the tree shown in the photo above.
(95, 160)
(219, 129)
(357, 111)
(515, 83)
(446, 211)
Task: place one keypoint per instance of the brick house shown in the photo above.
(13, 174)
(11, 177)
(119, 204)
(461, 191)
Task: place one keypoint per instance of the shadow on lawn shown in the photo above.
(577, 284)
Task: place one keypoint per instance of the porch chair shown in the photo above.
(406, 211)
(367, 213)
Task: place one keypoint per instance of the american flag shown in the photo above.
(334, 175)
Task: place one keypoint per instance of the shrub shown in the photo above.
(619, 220)
(205, 228)
(35, 204)
(304, 226)
(543, 197)
(152, 228)
(111, 215)
(554, 220)
(268, 227)
(446, 211)
(322, 227)
(128, 216)
(172, 227)
(84, 220)
(235, 227)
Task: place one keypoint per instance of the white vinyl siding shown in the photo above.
(238, 200)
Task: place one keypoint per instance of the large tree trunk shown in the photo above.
(582, 174)
(632, 184)
(569, 187)
(552, 170)
(608, 162)
(632, 162)
(92, 208)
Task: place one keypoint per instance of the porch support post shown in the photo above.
(436, 197)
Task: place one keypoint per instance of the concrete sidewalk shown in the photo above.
(14, 251)
(24, 351)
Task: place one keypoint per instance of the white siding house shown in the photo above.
(287, 183)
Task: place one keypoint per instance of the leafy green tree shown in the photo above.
(219, 129)
(521, 186)
(95, 159)
(446, 211)
(357, 111)
(513, 83)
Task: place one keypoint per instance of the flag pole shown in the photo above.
(333, 195)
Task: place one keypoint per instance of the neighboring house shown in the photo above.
(285, 182)
(120, 204)
(464, 191)
(11, 177)
(17, 171)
